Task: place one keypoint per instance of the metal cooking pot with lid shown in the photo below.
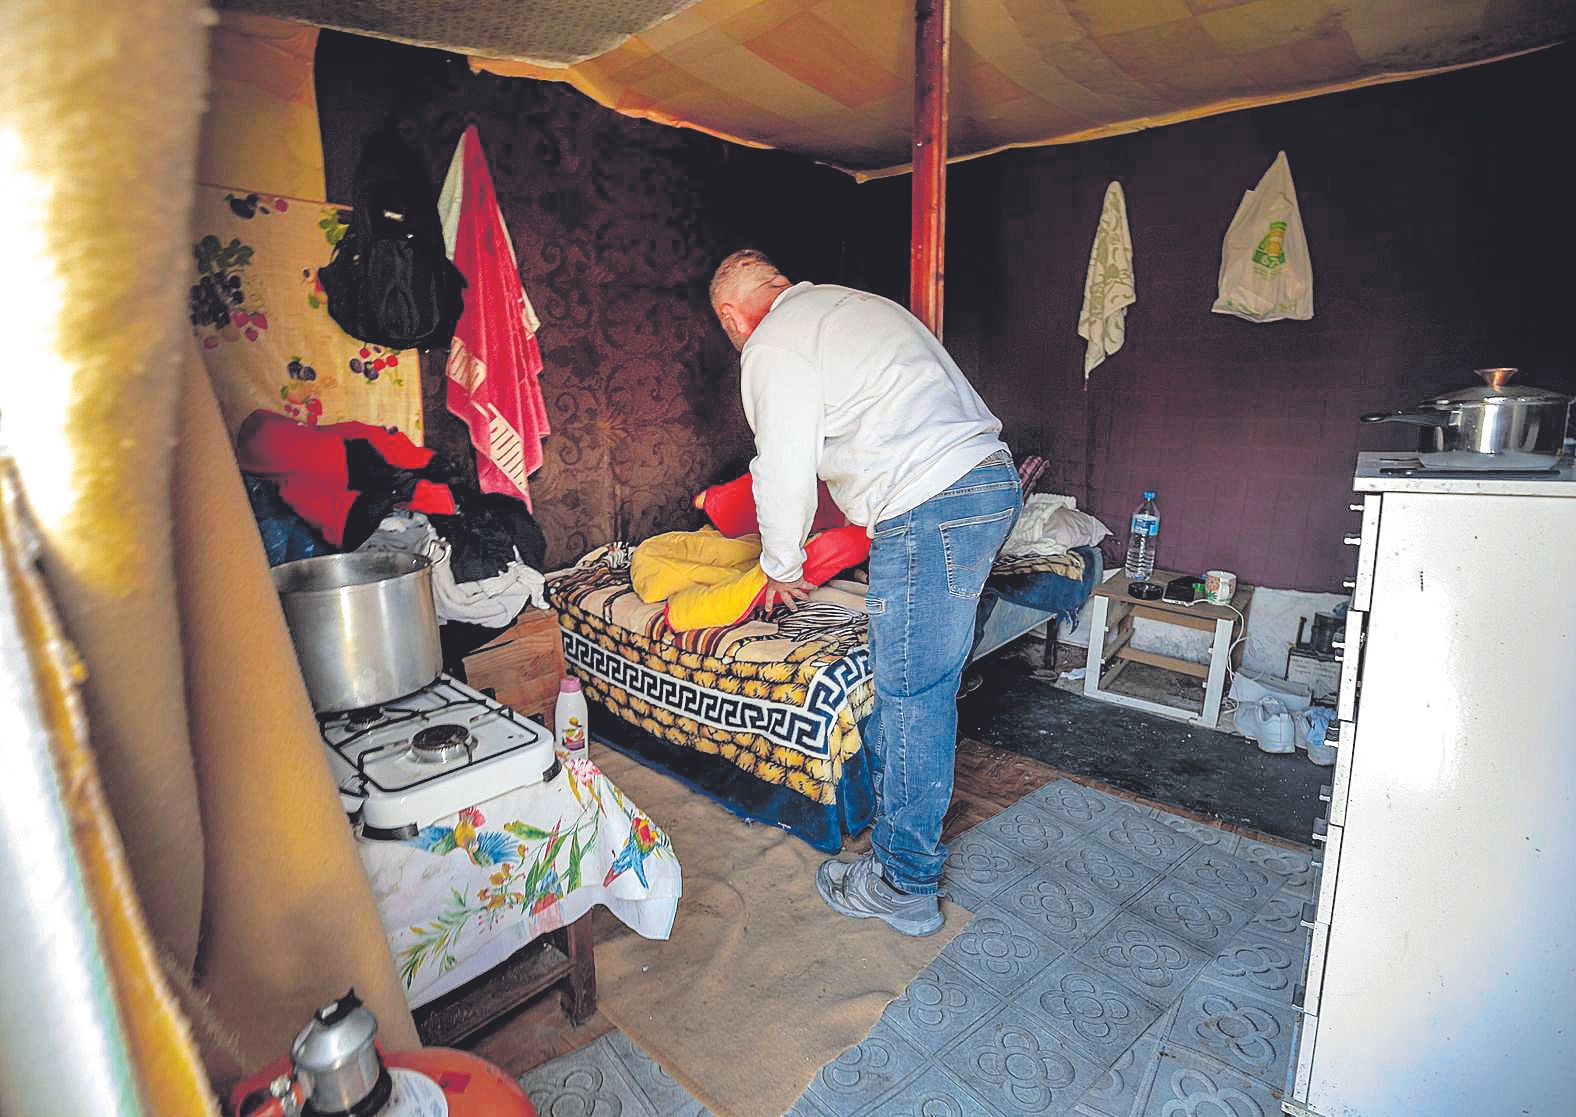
(1496, 418)
(364, 626)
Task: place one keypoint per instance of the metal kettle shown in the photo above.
(337, 1061)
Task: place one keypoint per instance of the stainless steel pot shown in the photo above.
(363, 624)
(1493, 419)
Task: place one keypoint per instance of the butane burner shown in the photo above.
(438, 744)
(431, 754)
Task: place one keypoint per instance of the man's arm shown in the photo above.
(783, 404)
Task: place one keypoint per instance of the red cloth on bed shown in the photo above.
(731, 509)
(308, 465)
(834, 544)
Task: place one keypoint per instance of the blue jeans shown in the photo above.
(927, 568)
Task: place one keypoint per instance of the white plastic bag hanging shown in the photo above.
(1265, 272)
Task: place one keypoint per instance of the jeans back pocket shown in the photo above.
(970, 545)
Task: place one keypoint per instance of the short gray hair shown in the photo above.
(737, 268)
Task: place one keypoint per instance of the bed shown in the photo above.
(764, 716)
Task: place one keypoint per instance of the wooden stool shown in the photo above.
(1112, 604)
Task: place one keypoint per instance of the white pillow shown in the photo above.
(1075, 528)
(1051, 528)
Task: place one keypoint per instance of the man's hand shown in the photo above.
(788, 593)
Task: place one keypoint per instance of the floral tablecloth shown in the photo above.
(466, 893)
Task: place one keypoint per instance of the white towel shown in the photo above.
(1108, 289)
(491, 602)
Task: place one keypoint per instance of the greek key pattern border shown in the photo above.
(806, 729)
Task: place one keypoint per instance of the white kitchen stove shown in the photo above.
(404, 765)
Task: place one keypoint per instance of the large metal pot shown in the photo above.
(1494, 419)
(363, 624)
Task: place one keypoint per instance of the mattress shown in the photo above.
(773, 707)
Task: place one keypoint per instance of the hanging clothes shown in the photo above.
(1108, 287)
(494, 360)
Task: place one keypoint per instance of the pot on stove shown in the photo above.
(1495, 423)
(364, 626)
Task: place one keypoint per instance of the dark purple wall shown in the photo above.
(1439, 218)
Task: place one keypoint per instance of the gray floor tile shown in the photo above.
(981, 866)
(1156, 963)
(1281, 919)
(1121, 1090)
(1093, 1009)
(1293, 867)
(667, 1097)
(962, 895)
(804, 1107)
(1244, 1032)
(1144, 839)
(864, 1072)
(1028, 829)
(1149, 971)
(1188, 1084)
(590, 1082)
(938, 1006)
(1201, 832)
(1081, 808)
(1001, 952)
(935, 1093)
(1265, 966)
(1056, 905)
(1194, 913)
(1020, 1066)
(1241, 882)
(1104, 871)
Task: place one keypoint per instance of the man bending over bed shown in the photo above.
(850, 387)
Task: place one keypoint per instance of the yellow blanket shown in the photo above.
(706, 578)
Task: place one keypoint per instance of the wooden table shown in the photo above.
(564, 958)
(1114, 613)
(522, 668)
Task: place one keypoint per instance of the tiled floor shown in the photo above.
(1122, 962)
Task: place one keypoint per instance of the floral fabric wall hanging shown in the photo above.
(262, 322)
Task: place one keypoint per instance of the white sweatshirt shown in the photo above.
(852, 388)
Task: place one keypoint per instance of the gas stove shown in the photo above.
(404, 765)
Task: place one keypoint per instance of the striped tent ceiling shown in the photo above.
(833, 79)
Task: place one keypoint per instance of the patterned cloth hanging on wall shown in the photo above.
(261, 319)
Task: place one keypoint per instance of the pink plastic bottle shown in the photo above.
(570, 721)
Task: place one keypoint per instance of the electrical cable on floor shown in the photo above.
(1228, 705)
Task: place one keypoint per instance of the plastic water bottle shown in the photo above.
(1143, 539)
(569, 717)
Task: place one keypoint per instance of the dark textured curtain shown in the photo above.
(617, 225)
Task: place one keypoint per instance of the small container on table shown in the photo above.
(1111, 620)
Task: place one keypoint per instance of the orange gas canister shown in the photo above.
(335, 1069)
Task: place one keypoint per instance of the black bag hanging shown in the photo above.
(391, 282)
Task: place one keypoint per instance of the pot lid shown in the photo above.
(339, 1033)
(1495, 389)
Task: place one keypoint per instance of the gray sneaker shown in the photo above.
(860, 890)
